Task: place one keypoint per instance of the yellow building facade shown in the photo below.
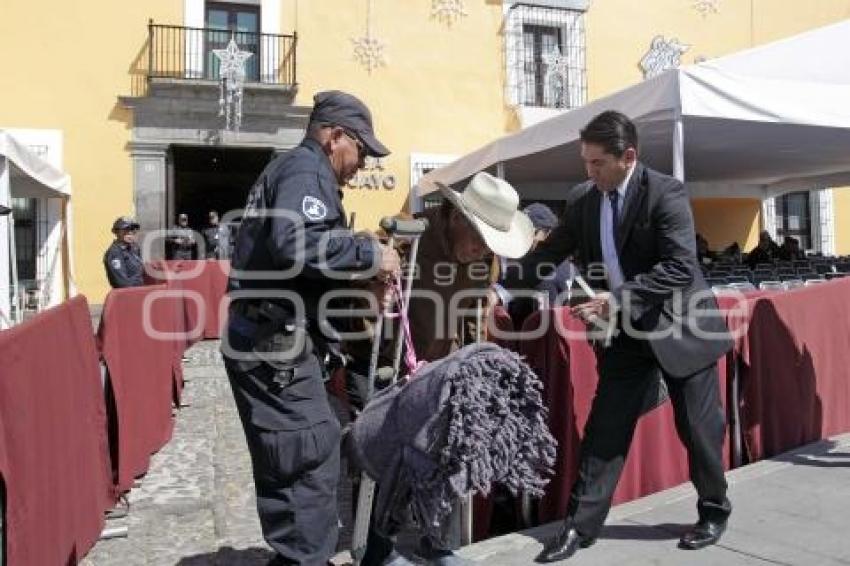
(126, 98)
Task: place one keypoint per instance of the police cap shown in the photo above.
(339, 108)
(124, 223)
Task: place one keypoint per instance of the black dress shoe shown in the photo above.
(564, 545)
(703, 534)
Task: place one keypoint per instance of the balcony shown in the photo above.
(186, 54)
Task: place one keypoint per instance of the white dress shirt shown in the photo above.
(606, 234)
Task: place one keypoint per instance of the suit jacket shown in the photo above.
(656, 246)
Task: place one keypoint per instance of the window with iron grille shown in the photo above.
(545, 51)
(420, 165)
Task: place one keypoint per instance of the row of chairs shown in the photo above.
(769, 282)
(800, 271)
(797, 264)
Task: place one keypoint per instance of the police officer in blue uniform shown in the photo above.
(292, 248)
(123, 260)
(216, 237)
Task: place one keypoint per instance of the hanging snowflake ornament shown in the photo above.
(663, 54)
(369, 52)
(368, 49)
(705, 7)
(448, 10)
(232, 83)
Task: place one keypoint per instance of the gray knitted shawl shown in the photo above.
(461, 424)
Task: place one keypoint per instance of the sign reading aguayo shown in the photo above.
(373, 176)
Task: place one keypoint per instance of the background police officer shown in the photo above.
(123, 260)
(216, 237)
(293, 233)
(182, 239)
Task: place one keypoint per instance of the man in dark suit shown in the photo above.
(631, 229)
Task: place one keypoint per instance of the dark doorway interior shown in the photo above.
(217, 179)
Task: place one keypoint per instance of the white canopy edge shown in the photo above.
(24, 174)
(34, 177)
(658, 101)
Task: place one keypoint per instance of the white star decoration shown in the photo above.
(232, 61)
(557, 76)
(369, 52)
(232, 76)
(448, 10)
(704, 7)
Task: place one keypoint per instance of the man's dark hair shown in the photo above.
(613, 131)
(314, 128)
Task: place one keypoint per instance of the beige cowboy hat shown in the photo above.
(491, 205)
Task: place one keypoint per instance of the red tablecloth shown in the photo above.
(501, 329)
(136, 342)
(205, 282)
(567, 367)
(53, 445)
(217, 274)
(795, 387)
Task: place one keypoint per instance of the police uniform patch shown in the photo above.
(116, 263)
(313, 208)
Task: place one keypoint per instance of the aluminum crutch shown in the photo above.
(394, 227)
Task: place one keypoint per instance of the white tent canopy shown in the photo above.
(23, 174)
(753, 124)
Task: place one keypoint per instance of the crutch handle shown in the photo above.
(402, 227)
(385, 374)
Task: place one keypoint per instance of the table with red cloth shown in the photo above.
(794, 376)
(54, 457)
(205, 283)
(737, 308)
(136, 340)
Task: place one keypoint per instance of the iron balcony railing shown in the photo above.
(178, 52)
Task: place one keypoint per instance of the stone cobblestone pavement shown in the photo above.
(196, 505)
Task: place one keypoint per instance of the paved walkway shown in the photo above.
(196, 505)
(792, 510)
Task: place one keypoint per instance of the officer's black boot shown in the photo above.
(377, 549)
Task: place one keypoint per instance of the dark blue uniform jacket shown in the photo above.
(294, 234)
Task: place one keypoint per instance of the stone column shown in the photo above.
(149, 195)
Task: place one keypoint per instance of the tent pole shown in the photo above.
(8, 321)
(679, 148)
(13, 261)
(64, 249)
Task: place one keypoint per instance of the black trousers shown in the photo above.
(627, 369)
(293, 437)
